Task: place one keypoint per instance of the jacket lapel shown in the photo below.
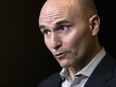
(102, 73)
(57, 82)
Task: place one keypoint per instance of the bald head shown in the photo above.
(85, 6)
(88, 6)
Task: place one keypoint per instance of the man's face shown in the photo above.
(66, 32)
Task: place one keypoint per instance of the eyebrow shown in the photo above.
(41, 27)
(57, 23)
(62, 22)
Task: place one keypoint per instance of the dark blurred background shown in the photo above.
(24, 59)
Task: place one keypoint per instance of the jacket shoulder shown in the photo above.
(54, 79)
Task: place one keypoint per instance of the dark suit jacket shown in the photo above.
(104, 75)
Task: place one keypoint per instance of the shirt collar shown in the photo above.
(88, 69)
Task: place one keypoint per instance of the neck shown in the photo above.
(74, 69)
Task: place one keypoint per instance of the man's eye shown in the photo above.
(46, 32)
(64, 28)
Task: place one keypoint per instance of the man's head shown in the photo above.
(70, 30)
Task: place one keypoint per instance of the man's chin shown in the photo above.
(64, 65)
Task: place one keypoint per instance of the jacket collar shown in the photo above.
(102, 73)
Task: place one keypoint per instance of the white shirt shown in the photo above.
(84, 74)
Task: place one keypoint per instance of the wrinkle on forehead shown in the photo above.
(55, 8)
(58, 11)
(52, 15)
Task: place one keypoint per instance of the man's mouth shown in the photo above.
(61, 55)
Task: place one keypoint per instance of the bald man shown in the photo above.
(70, 29)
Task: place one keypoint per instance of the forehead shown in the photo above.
(53, 14)
(52, 5)
(57, 9)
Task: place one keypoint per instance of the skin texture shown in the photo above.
(70, 32)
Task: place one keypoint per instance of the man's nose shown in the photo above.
(56, 42)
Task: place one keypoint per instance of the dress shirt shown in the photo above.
(82, 76)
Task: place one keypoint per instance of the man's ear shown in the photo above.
(94, 24)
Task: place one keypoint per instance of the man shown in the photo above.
(70, 29)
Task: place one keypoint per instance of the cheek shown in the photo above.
(72, 40)
(47, 43)
(73, 45)
(77, 41)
